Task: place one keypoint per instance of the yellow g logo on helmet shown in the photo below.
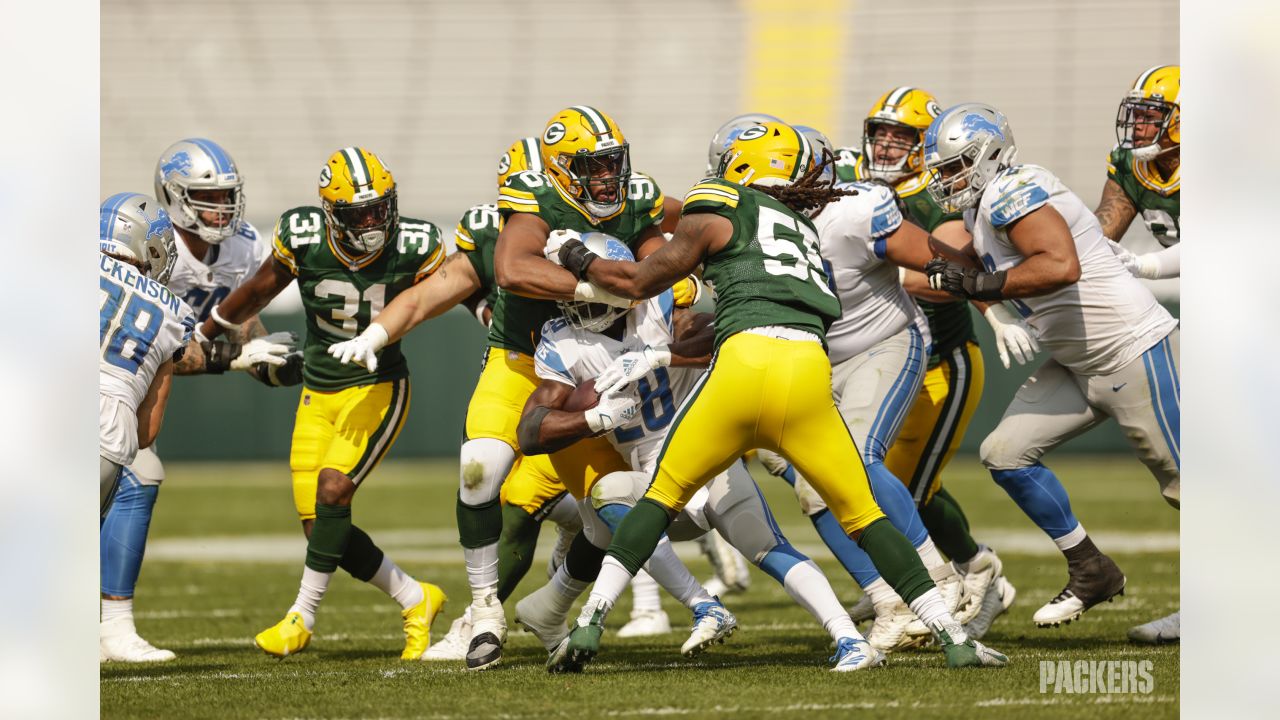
(588, 160)
(524, 154)
(358, 195)
(1152, 102)
(891, 158)
(771, 153)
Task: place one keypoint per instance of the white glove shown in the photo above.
(631, 367)
(614, 409)
(1012, 335)
(555, 240)
(362, 349)
(588, 292)
(270, 349)
(1131, 262)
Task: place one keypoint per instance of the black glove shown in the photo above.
(963, 281)
(290, 373)
(218, 355)
(576, 258)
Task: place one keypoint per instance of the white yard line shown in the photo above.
(440, 546)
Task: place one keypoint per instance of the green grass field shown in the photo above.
(226, 554)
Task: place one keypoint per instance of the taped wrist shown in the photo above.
(985, 286)
(218, 355)
(576, 258)
(529, 430)
(285, 375)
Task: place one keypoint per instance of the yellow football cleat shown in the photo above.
(418, 619)
(287, 637)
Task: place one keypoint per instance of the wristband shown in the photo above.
(226, 324)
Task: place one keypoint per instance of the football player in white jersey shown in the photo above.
(1113, 349)
(644, 374)
(200, 187)
(143, 329)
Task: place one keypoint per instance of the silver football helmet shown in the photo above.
(965, 148)
(729, 132)
(200, 166)
(597, 317)
(823, 151)
(135, 227)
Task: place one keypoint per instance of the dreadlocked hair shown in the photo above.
(809, 192)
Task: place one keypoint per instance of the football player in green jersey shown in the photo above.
(893, 152)
(1144, 178)
(769, 385)
(1144, 172)
(350, 257)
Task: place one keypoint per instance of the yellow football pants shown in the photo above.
(937, 421)
(505, 384)
(347, 430)
(769, 393)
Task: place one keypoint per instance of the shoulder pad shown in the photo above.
(296, 231)
(421, 240)
(711, 194)
(477, 219)
(523, 192)
(644, 195)
(1014, 195)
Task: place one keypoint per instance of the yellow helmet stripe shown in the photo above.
(533, 154)
(598, 125)
(896, 97)
(355, 163)
(802, 160)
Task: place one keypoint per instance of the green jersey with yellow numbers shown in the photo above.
(950, 323)
(770, 272)
(342, 293)
(1155, 198)
(518, 320)
(476, 236)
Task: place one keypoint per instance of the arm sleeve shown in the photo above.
(1167, 262)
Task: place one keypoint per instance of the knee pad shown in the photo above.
(565, 514)
(147, 468)
(619, 488)
(739, 513)
(484, 464)
(1001, 451)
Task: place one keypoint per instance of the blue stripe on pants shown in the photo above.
(896, 404)
(1162, 379)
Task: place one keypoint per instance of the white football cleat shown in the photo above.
(1158, 632)
(453, 646)
(118, 641)
(855, 654)
(889, 632)
(981, 573)
(646, 623)
(999, 597)
(732, 574)
(712, 623)
(1091, 582)
(962, 606)
(540, 617)
(863, 610)
(488, 634)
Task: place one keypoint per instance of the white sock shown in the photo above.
(119, 610)
(806, 584)
(613, 579)
(929, 554)
(1071, 539)
(482, 571)
(932, 610)
(395, 582)
(674, 577)
(310, 592)
(564, 590)
(880, 591)
(645, 595)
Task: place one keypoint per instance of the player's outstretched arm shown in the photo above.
(1115, 211)
(246, 301)
(544, 427)
(697, 236)
(950, 234)
(151, 410)
(519, 265)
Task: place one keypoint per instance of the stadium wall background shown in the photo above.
(216, 418)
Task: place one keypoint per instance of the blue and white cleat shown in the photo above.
(712, 623)
(855, 654)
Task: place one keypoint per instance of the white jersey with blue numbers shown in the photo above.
(851, 239)
(230, 263)
(141, 325)
(1095, 326)
(573, 356)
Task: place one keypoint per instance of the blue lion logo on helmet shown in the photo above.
(615, 249)
(160, 224)
(974, 123)
(180, 162)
